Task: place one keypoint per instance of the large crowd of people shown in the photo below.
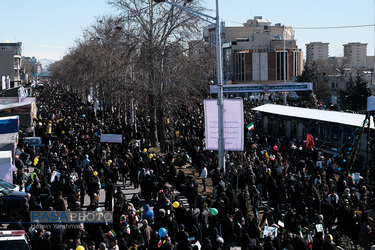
(273, 195)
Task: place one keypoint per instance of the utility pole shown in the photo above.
(219, 73)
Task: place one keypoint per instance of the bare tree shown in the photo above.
(163, 33)
(150, 53)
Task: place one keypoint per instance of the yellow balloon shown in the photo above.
(145, 150)
(150, 155)
(109, 162)
(95, 173)
(176, 204)
(80, 248)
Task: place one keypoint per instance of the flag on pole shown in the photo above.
(310, 141)
(250, 127)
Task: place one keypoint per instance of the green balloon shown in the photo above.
(214, 211)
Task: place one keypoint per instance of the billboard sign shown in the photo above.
(233, 123)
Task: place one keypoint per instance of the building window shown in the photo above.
(240, 74)
(280, 65)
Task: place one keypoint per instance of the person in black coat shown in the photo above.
(109, 192)
(171, 225)
(191, 194)
(93, 188)
(56, 186)
(147, 186)
(182, 238)
(229, 193)
(243, 202)
(72, 194)
(46, 242)
(227, 229)
(44, 194)
(82, 185)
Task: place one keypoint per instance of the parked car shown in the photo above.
(14, 239)
(35, 142)
(9, 185)
(13, 201)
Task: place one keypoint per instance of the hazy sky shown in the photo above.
(48, 28)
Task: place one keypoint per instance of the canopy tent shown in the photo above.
(6, 166)
(315, 114)
(26, 110)
(8, 142)
(9, 124)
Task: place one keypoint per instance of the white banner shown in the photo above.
(370, 103)
(55, 174)
(112, 138)
(3, 82)
(233, 124)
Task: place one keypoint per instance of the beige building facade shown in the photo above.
(316, 51)
(356, 54)
(254, 52)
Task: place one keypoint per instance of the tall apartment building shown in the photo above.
(316, 51)
(254, 52)
(10, 62)
(356, 54)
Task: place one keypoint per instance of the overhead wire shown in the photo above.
(327, 27)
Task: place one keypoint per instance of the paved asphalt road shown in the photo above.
(129, 191)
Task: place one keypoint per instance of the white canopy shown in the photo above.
(6, 167)
(316, 114)
(6, 156)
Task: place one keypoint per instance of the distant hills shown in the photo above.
(46, 63)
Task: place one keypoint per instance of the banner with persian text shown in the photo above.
(233, 123)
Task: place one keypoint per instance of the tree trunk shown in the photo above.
(161, 130)
(153, 121)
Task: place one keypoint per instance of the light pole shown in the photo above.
(284, 33)
(219, 72)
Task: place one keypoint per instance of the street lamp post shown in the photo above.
(219, 73)
(284, 33)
